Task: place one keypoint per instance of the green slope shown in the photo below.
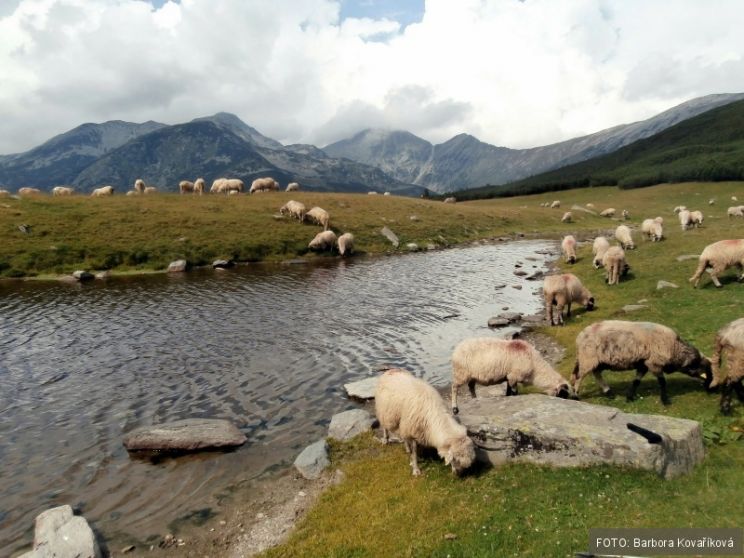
(708, 147)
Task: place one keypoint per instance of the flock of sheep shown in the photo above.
(415, 411)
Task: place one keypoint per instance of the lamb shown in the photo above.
(28, 191)
(103, 191)
(139, 186)
(567, 217)
(319, 216)
(62, 191)
(684, 219)
(265, 184)
(735, 211)
(447, 200)
(645, 346)
(555, 204)
(609, 212)
(345, 243)
(415, 411)
(600, 246)
(150, 190)
(696, 218)
(719, 256)
(323, 240)
(679, 208)
(614, 262)
(185, 187)
(489, 360)
(294, 209)
(568, 247)
(729, 342)
(292, 187)
(624, 237)
(199, 186)
(652, 229)
(562, 290)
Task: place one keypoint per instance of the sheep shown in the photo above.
(567, 217)
(652, 229)
(711, 201)
(679, 208)
(734, 198)
(624, 237)
(28, 191)
(132, 193)
(609, 212)
(614, 263)
(729, 343)
(489, 360)
(735, 211)
(150, 190)
(555, 204)
(446, 200)
(62, 191)
(265, 184)
(696, 218)
(323, 240)
(4, 193)
(139, 186)
(345, 243)
(294, 209)
(415, 411)
(103, 191)
(684, 219)
(719, 256)
(319, 216)
(185, 187)
(600, 246)
(568, 247)
(645, 346)
(199, 186)
(217, 186)
(562, 290)
(386, 194)
(625, 215)
(235, 185)
(292, 187)
(659, 220)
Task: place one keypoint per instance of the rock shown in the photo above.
(634, 307)
(511, 316)
(412, 247)
(348, 424)
(564, 433)
(129, 548)
(185, 435)
(177, 266)
(518, 287)
(390, 235)
(431, 246)
(536, 276)
(665, 285)
(688, 257)
(222, 264)
(103, 274)
(498, 322)
(313, 459)
(81, 275)
(520, 273)
(499, 286)
(363, 389)
(60, 533)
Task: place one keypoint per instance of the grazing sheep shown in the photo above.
(373, 193)
(684, 219)
(450, 200)
(562, 290)
(28, 191)
(265, 184)
(294, 209)
(151, 190)
(417, 413)
(62, 191)
(719, 256)
(292, 187)
(652, 229)
(624, 237)
(236, 185)
(609, 212)
(386, 194)
(345, 243)
(711, 201)
(568, 247)
(139, 186)
(132, 193)
(645, 346)
(487, 361)
(735, 211)
(217, 186)
(103, 191)
(696, 218)
(679, 208)
(625, 215)
(567, 217)
(319, 216)
(614, 263)
(729, 343)
(186, 187)
(555, 204)
(323, 240)
(600, 246)
(199, 186)
(4, 193)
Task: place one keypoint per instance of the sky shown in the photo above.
(515, 73)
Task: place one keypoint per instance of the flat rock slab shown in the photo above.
(363, 389)
(390, 235)
(313, 460)
(58, 532)
(564, 433)
(346, 425)
(634, 307)
(185, 435)
(661, 284)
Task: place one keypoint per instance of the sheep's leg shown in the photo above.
(385, 436)
(471, 387)
(568, 310)
(714, 271)
(414, 459)
(455, 409)
(640, 373)
(407, 445)
(511, 390)
(726, 398)
(600, 380)
(662, 386)
(549, 311)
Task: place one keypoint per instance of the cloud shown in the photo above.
(511, 73)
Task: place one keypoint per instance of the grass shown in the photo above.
(525, 510)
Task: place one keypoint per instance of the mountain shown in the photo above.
(62, 158)
(707, 147)
(465, 162)
(230, 122)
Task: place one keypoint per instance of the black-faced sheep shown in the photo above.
(568, 247)
(417, 413)
(599, 247)
(643, 346)
(487, 361)
(624, 237)
(729, 343)
(719, 256)
(562, 290)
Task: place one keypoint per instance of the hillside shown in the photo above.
(708, 147)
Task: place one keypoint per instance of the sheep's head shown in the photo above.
(698, 365)
(563, 390)
(590, 303)
(459, 453)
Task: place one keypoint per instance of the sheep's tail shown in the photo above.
(700, 269)
(715, 362)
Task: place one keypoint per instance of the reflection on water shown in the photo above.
(267, 347)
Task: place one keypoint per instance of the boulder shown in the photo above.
(520, 273)
(103, 274)
(634, 307)
(223, 264)
(390, 235)
(363, 389)
(81, 275)
(177, 266)
(313, 459)
(665, 285)
(498, 322)
(185, 435)
(511, 316)
(348, 424)
(60, 533)
(518, 287)
(564, 433)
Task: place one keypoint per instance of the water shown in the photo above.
(267, 347)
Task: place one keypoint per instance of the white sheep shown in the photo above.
(696, 218)
(556, 203)
(735, 211)
(62, 191)
(294, 209)
(103, 191)
(599, 247)
(711, 201)
(624, 237)
(319, 216)
(450, 200)
(186, 187)
(684, 219)
(729, 343)
(265, 184)
(386, 194)
(562, 290)
(488, 360)
(734, 198)
(217, 186)
(199, 186)
(567, 217)
(614, 263)
(609, 212)
(150, 190)
(139, 186)
(652, 229)
(719, 256)
(645, 346)
(323, 240)
(568, 247)
(292, 187)
(415, 411)
(345, 243)
(132, 193)
(373, 193)
(659, 220)
(28, 191)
